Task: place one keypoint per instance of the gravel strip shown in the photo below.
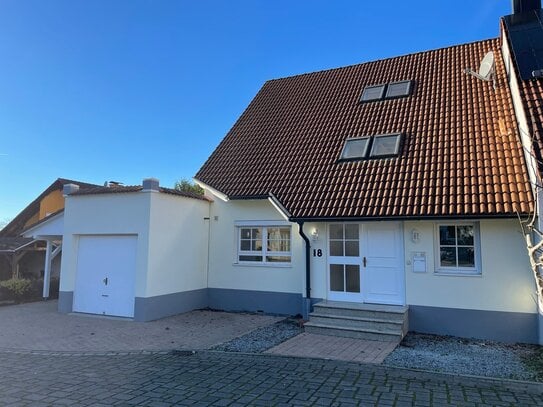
(464, 356)
(264, 338)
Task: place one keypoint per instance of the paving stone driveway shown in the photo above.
(220, 379)
(38, 326)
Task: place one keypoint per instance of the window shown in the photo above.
(380, 146)
(398, 89)
(373, 92)
(390, 90)
(264, 244)
(385, 145)
(355, 148)
(458, 248)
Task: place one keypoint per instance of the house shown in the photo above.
(401, 182)
(25, 257)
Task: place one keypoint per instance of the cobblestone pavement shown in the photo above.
(220, 379)
(38, 326)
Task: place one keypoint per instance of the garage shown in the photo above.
(105, 275)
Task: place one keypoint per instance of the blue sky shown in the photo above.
(122, 90)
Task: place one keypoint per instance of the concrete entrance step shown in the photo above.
(361, 321)
(355, 333)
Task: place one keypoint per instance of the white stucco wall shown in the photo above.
(223, 270)
(505, 284)
(105, 214)
(171, 235)
(178, 241)
(319, 267)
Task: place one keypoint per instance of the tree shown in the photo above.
(185, 185)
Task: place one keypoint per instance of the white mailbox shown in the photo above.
(419, 262)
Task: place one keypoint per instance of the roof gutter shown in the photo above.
(410, 218)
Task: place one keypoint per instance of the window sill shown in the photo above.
(268, 265)
(458, 273)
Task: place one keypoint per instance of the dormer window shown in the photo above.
(374, 92)
(398, 89)
(363, 148)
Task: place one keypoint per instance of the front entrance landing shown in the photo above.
(335, 348)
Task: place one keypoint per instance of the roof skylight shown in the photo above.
(390, 90)
(379, 146)
(355, 148)
(387, 145)
(374, 92)
(398, 89)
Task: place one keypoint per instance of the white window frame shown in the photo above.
(463, 271)
(264, 253)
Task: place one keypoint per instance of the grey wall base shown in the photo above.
(492, 325)
(65, 301)
(161, 306)
(246, 300)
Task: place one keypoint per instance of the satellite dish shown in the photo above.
(486, 70)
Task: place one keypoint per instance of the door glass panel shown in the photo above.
(336, 231)
(351, 231)
(352, 277)
(352, 248)
(336, 248)
(337, 282)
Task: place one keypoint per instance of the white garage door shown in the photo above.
(106, 269)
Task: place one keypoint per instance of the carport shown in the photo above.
(50, 231)
(14, 248)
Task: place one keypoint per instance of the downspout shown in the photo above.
(307, 300)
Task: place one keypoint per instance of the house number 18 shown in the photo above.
(317, 252)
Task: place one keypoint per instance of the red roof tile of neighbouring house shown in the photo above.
(461, 155)
(19, 223)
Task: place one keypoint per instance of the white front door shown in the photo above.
(382, 251)
(365, 263)
(106, 267)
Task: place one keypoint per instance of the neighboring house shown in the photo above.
(398, 182)
(26, 257)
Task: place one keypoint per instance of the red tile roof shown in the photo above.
(456, 159)
(17, 225)
(116, 189)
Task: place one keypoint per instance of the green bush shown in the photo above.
(18, 286)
